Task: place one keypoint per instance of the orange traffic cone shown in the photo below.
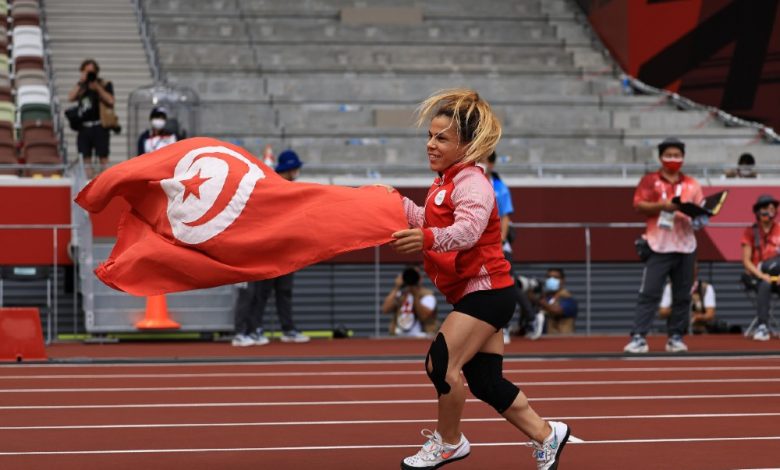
(156, 317)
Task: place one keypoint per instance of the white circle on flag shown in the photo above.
(197, 183)
(440, 197)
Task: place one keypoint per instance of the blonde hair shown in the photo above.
(474, 121)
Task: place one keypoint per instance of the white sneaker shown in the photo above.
(242, 340)
(538, 326)
(637, 345)
(294, 336)
(675, 344)
(548, 453)
(435, 453)
(260, 339)
(507, 339)
(761, 334)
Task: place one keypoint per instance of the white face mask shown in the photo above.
(157, 123)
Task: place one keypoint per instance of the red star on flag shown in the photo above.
(192, 185)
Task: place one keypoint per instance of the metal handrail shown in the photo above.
(150, 46)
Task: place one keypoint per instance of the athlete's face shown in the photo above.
(444, 147)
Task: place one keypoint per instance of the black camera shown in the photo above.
(530, 284)
(410, 277)
(91, 77)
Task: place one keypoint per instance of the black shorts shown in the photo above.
(494, 306)
(93, 139)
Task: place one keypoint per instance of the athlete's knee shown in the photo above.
(436, 364)
(486, 381)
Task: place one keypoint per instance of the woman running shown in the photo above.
(459, 233)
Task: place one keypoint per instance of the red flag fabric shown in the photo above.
(205, 213)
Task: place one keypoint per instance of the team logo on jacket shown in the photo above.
(209, 189)
(439, 198)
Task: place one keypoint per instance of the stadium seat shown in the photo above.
(6, 132)
(40, 152)
(28, 41)
(30, 77)
(36, 112)
(25, 14)
(32, 94)
(7, 111)
(5, 93)
(28, 62)
(3, 8)
(8, 155)
(4, 65)
(38, 131)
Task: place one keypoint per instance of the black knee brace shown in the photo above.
(486, 381)
(436, 365)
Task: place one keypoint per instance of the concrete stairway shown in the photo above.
(104, 30)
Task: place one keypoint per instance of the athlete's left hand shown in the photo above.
(408, 241)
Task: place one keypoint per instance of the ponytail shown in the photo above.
(474, 121)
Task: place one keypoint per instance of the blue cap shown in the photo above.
(288, 160)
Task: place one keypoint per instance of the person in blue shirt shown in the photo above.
(557, 307)
(505, 209)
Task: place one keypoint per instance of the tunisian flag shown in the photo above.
(205, 213)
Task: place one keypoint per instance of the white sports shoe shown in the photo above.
(538, 326)
(435, 453)
(637, 345)
(761, 334)
(294, 336)
(675, 344)
(548, 453)
(242, 340)
(507, 339)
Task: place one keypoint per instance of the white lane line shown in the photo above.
(380, 373)
(372, 386)
(718, 358)
(377, 446)
(376, 402)
(371, 422)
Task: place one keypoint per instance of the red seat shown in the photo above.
(38, 131)
(6, 132)
(28, 62)
(8, 155)
(41, 153)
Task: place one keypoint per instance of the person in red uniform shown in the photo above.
(459, 234)
(761, 258)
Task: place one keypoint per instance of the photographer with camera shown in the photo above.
(761, 259)
(555, 305)
(413, 306)
(95, 99)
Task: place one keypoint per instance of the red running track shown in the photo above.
(655, 413)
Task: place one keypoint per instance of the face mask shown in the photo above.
(158, 124)
(767, 214)
(552, 284)
(744, 170)
(672, 165)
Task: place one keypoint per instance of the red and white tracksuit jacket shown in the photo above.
(462, 233)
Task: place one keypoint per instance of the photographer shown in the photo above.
(413, 306)
(91, 91)
(556, 306)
